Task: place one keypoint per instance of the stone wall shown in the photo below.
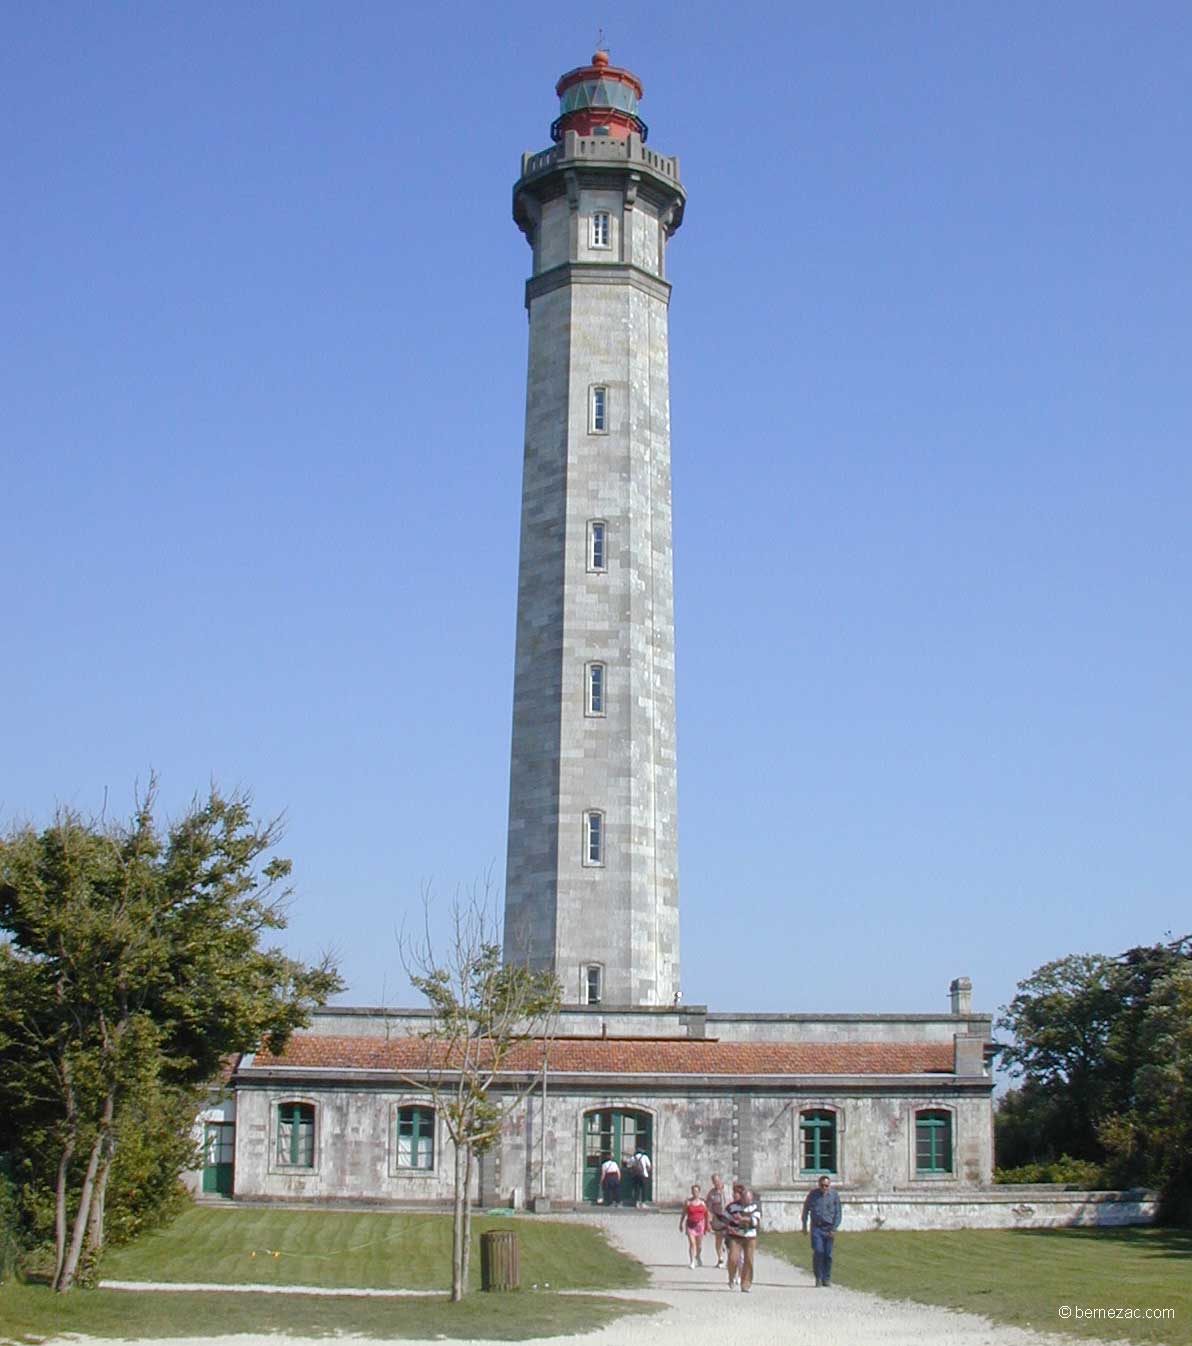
(355, 1148)
(875, 1138)
(748, 1134)
(680, 1022)
(993, 1208)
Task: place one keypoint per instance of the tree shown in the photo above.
(1029, 1127)
(1138, 973)
(482, 1010)
(1061, 1020)
(1151, 1139)
(1104, 1050)
(131, 969)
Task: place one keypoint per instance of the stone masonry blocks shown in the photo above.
(598, 327)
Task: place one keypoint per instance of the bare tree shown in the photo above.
(485, 1015)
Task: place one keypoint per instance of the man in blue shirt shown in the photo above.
(822, 1210)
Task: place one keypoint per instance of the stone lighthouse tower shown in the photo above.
(592, 877)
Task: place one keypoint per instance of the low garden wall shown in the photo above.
(1001, 1207)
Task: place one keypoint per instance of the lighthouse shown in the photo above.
(592, 889)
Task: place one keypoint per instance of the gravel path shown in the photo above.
(784, 1309)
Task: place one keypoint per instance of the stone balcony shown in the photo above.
(602, 150)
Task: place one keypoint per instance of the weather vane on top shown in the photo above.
(599, 39)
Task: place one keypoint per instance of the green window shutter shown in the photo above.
(817, 1134)
(416, 1137)
(296, 1135)
(933, 1142)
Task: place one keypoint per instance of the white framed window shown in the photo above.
(593, 837)
(597, 545)
(598, 410)
(602, 229)
(593, 984)
(594, 689)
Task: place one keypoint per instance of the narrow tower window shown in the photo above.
(597, 555)
(593, 837)
(599, 414)
(595, 690)
(593, 984)
(601, 229)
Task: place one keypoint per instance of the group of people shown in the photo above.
(732, 1220)
(637, 1170)
(734, 1223)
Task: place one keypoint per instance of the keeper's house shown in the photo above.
(896, 1107)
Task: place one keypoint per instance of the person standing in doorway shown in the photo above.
(694, 1223)
(639, 1175)
(821, 1210)
(610, 1181)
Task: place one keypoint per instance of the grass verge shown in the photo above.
(1025, 1276)
(32, 1313)
(360, 1249)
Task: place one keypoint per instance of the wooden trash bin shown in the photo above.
(500, 1260)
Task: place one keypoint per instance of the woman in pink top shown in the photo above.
(694, 1223)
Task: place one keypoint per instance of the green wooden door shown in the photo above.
(617, 1132)
(219, 1152)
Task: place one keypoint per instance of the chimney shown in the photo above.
(968, 1054)
(961, 992)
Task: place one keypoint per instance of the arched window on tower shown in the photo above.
(598, 413)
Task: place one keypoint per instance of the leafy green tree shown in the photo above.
(9, 1226)
(1061, 1021)
(131, 968)
(1103, 1047)
(1029, 1127)
(1138, 972)
(483, 1009)
(1151, 1140)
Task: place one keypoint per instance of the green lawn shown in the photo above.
(31, 1313)
(342, 1249)
(1025, 1276)
(247, 1246)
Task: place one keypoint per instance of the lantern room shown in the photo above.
(599, 100)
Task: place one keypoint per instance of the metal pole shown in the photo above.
(542, 1167)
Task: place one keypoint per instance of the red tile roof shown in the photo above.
(622, 1056)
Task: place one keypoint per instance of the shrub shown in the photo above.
(10, 1228)
(1065, 1170)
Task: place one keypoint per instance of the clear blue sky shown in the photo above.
(261, 404)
